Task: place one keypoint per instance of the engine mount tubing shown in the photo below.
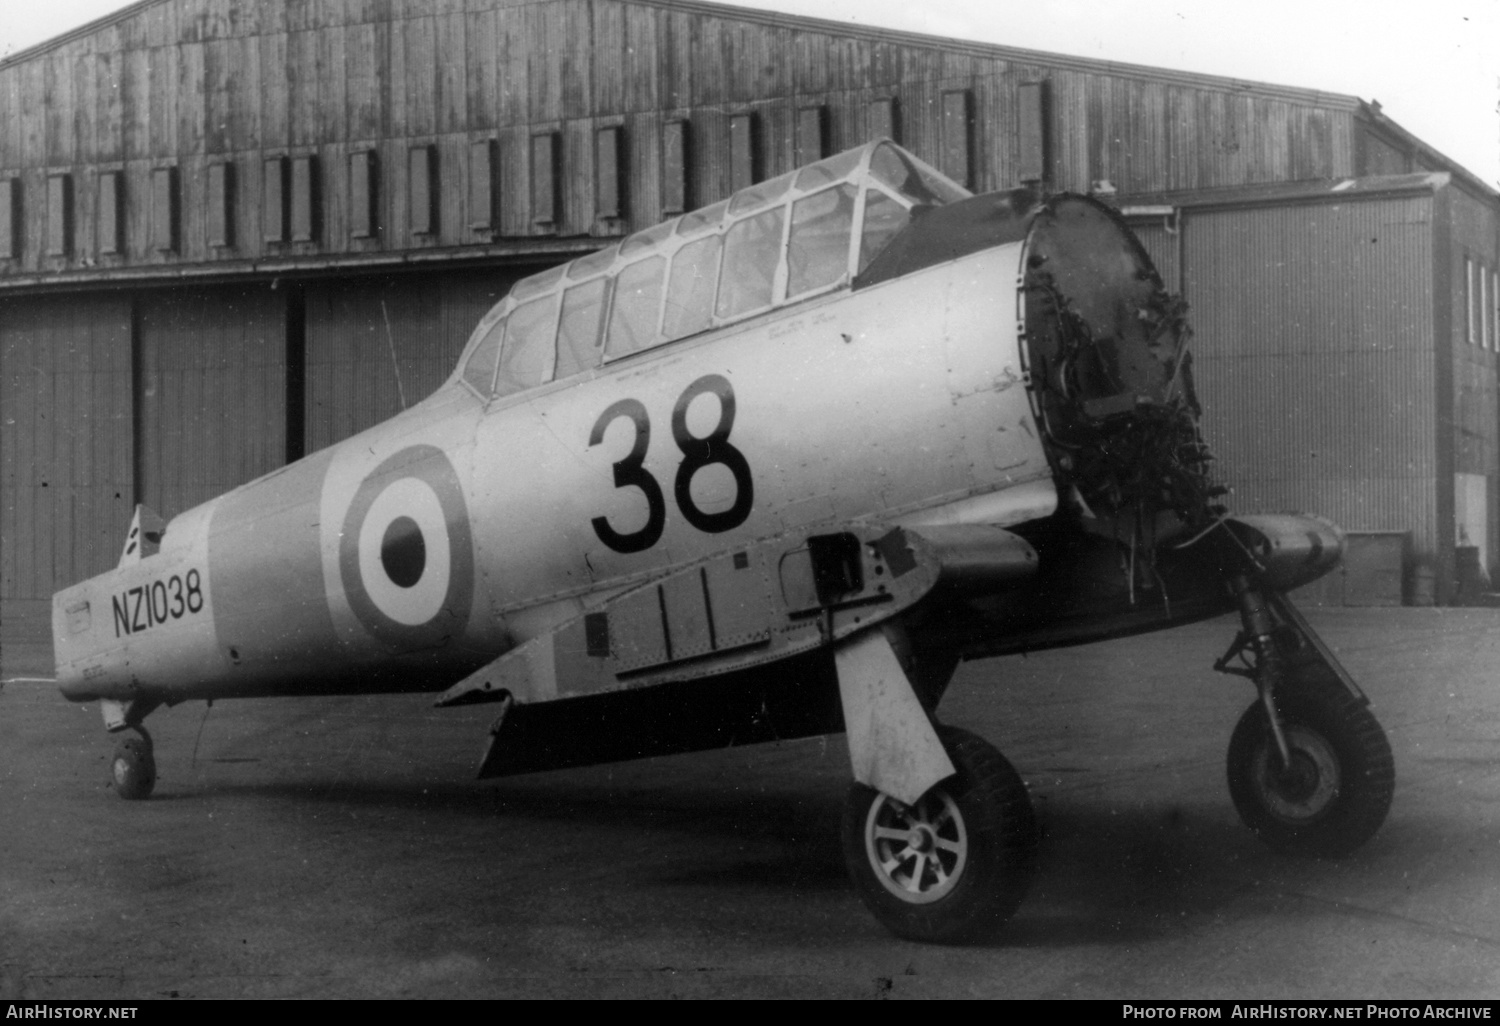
(1255, 613)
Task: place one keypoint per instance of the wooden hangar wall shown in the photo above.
(233, 231)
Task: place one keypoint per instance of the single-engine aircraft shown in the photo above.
(768, 470)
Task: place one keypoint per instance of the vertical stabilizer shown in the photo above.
(144, 539)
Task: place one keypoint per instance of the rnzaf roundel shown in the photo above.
(406, 555)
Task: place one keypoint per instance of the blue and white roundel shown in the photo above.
(406, 556)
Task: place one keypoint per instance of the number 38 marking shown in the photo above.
(697, 453)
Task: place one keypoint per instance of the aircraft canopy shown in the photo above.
(803, 234)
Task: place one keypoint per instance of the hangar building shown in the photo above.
(235, 231)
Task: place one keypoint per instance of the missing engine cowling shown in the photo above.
(1111, 374)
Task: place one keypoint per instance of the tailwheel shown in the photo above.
(954, 866)
(1337, 789)
(134, 767)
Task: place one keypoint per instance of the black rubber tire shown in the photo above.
(1343, 775)
(133, 769)
(999, 838)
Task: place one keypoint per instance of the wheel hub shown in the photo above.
(918, 852)
(1305, 790)
(1299, 781)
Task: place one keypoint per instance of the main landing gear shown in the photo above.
(954, 866)
(1310, 772)
(1310, 769)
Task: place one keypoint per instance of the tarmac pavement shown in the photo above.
(340, 847)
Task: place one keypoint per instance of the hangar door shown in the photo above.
(376, 345)
(213, 392)
(66, 452)
(1313, 346)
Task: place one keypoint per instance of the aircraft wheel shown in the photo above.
(954, 866)
(1338, 789)
(134, 769)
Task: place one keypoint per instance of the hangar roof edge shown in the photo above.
(1018, 54)
(1326, 189)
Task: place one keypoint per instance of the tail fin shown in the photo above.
(144, 539)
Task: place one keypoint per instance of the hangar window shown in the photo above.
(421, 189)
(305, 207)
(958, 135)
(544, 180)
(165, 207)
(59, 215)
(1484, 308)
(1031, 118)
(1469, 299)
(674, 158)
(744, 151)
(221, 205)
(637, 306)
(275, 188)
(526, 359)
(110, 210)
(364, 201)
(812, 134)
(818, 248)
(484, 196)
(10, 218)
(609, 183)
(581, 329)
(752, 252)
(1495, 307)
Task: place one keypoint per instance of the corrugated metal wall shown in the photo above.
(213, 392)
(1475, 238)
(1314, 358)
(365, 335)
(66, 449)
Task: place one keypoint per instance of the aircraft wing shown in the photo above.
(746, 607)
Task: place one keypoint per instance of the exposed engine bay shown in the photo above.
(1111, 373)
